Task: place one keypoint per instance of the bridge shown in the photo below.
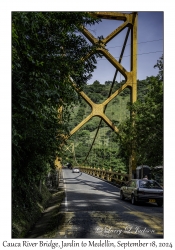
(129, 26)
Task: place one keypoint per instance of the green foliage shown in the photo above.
(144, 133)
(149, 125)
(159, 65)
(24, 214)
(112, 151)
(47, 48)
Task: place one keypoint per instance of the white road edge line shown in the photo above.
(65, 199)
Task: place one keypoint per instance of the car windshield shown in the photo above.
(149, 184)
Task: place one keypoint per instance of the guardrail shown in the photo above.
(116, 178)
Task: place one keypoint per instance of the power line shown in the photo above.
(137, 54)
(137, 43)
(150, 52)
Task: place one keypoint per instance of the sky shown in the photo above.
(151, 26)
(150, 42)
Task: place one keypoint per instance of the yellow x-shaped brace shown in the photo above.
(130, 20)
(68, 148)
(98, 109)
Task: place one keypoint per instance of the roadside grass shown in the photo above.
(46, 202)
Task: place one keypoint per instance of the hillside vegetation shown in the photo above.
(106, 151)
(47, 48)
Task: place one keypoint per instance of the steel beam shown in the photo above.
(130, 20)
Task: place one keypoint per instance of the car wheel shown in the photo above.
(133, 200)
(122, 197)
(159, 203)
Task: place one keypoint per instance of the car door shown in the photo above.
(127, 189)
(131, 187)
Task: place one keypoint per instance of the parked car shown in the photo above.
(75, 170)
(142, 190)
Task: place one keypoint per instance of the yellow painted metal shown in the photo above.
(97, 110)
(130, 20)
(58, 163)
(115, 177)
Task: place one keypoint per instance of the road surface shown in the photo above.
(92, 209)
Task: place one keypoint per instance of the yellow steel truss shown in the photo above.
(130, 22)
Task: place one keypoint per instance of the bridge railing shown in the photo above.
(117, 178)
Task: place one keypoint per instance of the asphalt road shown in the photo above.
(92, 209)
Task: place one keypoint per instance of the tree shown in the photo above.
(146, 136)
(47, 49)
(149, 125)
(159, 65)
(97, 87)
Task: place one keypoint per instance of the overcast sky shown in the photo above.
(149, 50)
